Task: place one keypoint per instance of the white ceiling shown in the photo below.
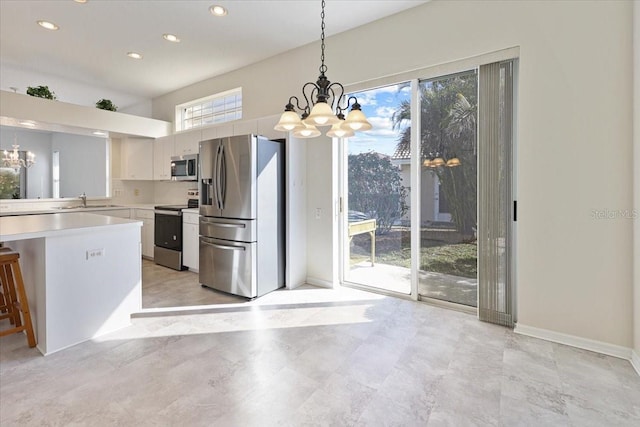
(91, 45)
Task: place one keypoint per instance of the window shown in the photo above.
(219, 108)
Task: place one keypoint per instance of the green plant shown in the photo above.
(375, 189)
(106, 104)
(41, 92)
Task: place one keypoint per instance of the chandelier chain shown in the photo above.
(323, 68)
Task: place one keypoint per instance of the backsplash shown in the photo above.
(132, 192)
(172, 193)
(124, 193)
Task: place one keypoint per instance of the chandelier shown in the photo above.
(12, 158)
(435, 161)
(322, 98)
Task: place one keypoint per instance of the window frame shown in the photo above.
(203, 110)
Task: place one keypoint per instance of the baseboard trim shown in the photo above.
(575, 341)
(635, 361)
(321, 283)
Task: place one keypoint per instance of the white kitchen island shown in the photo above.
(82, 273)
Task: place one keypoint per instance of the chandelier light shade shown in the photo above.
(325, 105)
(453, 162)
(306, 131)
(289, 121)
(436, 161)
(11, 159)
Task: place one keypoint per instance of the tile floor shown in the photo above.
(312, 357)
(163, 287)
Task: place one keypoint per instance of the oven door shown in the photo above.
(168, 230)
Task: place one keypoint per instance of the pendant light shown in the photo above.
(12, 158)
(321, 98)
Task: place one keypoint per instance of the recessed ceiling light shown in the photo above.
(134, 55)
(217, 10)
(48, 25)
(100, 133)
(171, 38)
(29, 124)
(81, 1)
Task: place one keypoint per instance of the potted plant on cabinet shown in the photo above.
(41, 92)
(106, 104)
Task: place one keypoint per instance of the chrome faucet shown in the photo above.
(83, 197)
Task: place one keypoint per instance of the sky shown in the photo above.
(379, 105)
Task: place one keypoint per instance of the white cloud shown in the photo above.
(385, 111)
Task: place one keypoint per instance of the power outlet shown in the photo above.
(95, 253)
(318, 213)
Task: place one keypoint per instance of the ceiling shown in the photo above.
(91, 44)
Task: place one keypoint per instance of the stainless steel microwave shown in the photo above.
(184, 168)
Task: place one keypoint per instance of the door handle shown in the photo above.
(225, 225)
(218, 174)
(224, 247)
(223, 177)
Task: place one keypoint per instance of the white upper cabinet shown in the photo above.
(245, 127)
(162, 151)
(220, 131)
(136, 155)
(266, 125)
(187, 142)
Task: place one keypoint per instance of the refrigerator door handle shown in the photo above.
(225, 247)
(216, 174)
(223, 177)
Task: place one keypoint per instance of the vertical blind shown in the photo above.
(495, 134)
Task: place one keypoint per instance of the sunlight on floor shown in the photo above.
(302, 307)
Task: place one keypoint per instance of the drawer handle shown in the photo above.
(225, 225)
(225, 247)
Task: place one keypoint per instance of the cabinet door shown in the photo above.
(147, 238)
(187, 142)
(137, 159)
(190, 246)
(162, 152)
(245, 127)
(266, 125)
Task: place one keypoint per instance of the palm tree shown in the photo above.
(448, 129)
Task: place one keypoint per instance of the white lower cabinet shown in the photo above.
(190, 241)
(120, 213)
(148, 224)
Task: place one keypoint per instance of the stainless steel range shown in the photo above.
(168, 236)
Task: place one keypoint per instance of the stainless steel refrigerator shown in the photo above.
(242, 215)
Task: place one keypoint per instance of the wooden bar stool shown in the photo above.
(14, 298)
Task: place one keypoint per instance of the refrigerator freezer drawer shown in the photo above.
(242, 230)
(228, 266)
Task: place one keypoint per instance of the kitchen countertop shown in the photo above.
(191, 210)
(34, 226)
(89, 208)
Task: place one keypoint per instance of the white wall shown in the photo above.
(83, 164)
(574, 272)
(322, 265)
(636, 181)
(72, 91)
(296, 212)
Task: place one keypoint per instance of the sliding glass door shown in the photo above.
(377, 249)
(427, 194)
(448, 157)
